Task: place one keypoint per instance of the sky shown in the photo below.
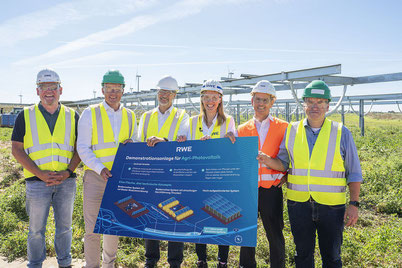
(193, 40)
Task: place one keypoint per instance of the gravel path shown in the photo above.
(48, 263)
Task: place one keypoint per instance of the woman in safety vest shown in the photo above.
(211, 123)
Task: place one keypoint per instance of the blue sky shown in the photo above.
(193, 40)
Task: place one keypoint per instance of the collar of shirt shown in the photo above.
(264, 122)
(262, 128)
(110, 109)
(166, 113)
(43, 109)
(208, 130)
(309, 128)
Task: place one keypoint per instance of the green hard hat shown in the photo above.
(317, 89)
(114, 77)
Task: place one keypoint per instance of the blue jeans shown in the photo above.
(307, 218)
(39, 198)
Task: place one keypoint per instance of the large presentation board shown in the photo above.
(194, 191)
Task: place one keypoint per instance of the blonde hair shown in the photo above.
(221, 118)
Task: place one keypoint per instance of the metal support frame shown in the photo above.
(343, 114)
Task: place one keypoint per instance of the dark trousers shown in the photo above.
(307, 218)
(270, 206)
(152, 253)
(201, 250)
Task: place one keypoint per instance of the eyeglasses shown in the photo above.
(165, 92)
(262, 100)
(52, 87)
(113, 90)
(319, 103)
(210, 98)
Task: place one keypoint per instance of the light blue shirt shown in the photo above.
(349, 154)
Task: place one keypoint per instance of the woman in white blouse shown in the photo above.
(211, 123)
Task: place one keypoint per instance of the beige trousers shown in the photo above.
(94, 186)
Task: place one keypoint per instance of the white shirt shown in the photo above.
(183, 128)
(84, 139)
(262, 128)
(208, 130)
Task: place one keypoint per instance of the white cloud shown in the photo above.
(40, 23)
(176, 11)
(132, 45)
(91, 65)
(103, 57)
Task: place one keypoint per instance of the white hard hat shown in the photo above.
(212, 85)
(168, 83)
(47, 76)
(264, 86)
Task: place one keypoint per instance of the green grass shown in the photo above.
(374, 242)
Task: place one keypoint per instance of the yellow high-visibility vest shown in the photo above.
(103, 142)
(49, 151)
(169, 128)
(217, 132)
(321, 176)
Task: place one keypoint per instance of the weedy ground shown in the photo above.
(374, 242)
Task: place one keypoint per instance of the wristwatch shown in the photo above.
(354, 203)
(70, 172)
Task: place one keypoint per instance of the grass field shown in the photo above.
(376, 241)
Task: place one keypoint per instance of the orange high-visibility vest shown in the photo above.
(277, 128)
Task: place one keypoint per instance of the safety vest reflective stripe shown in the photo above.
(271, 177)
(146, 123)
(316, 173)
(174, 124)
(196, 122)
(331, 145)
(49, 159)
(67, 136)
(277, 128)
(291, 141)
(99, 127)
(34, 127)
(130, 124)
(178, 114)
(45, 146)
(223, 129)
(316, 188)
(49, 151)
(107, 140)
(35, 135)
(321, 173)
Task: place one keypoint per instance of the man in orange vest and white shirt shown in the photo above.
(270, 132)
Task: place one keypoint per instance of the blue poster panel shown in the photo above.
(194, 191)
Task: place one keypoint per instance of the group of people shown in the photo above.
(316, 157)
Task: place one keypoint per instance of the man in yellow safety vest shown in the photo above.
(321, 158)
(164, 123)
(43, 142)
(100, 130)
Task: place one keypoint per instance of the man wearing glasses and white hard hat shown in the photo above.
(164, 123)
(270, 131)
(43, 142)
